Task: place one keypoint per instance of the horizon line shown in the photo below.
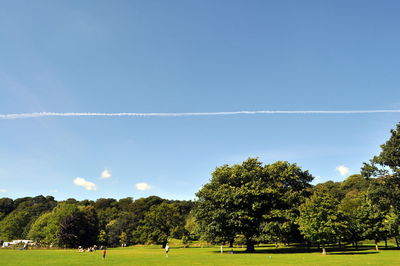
(92, 114)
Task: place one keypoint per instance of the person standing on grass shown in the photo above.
(166, 250)
(104, 252)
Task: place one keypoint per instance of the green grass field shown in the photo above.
(199, 256)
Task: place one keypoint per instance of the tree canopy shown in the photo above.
(239, 198)
(320, 221)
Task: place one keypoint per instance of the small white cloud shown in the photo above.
(343, 170)
(105, 174)
(83, 183)
(143, 186)
(53, 190)
(2, 190)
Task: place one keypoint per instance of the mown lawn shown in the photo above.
(199, 256)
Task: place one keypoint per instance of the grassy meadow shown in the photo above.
(154, 255)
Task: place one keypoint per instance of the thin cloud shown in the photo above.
(343, 170)
(83, 183)
(143, 186)
(105, 174)
(2, 190)
(53, 190)
(54, 114)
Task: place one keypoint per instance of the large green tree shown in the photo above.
(14, 224)
(293, 188)
(320, 221)
(384, 192)
(375, 208)
(387, 166)
(239, 199)
(80, 228)
(373, 219)
(46, 227)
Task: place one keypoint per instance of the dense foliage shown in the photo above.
(250, 198)
(110, 222)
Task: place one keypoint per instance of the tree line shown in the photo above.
(245, 204)
(106, 221)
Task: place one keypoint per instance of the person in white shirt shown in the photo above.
(166, 250)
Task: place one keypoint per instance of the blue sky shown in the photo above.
(189, 56)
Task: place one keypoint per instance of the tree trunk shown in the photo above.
(340, 244)
(319, 246)
(376, 245)
(231, 243)
(397, 242)
(250, 246)
(356, 245)
(323, 250)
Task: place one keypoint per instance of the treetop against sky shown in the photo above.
(190, 57)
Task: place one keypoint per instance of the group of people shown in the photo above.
(89, 249)
(104, 250)
(94, 248)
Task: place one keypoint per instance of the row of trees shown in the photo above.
(246, 203)
(276, 203)
(367, 208)
(73, 223)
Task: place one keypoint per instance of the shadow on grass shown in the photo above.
(271, 251)
(355, 253)
(364, 250)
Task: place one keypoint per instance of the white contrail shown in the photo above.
(53, 114)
